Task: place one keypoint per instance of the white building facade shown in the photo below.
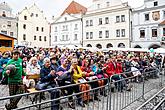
(107, 24)
(148, 27)
(33, 28)
(67, 31)
(8, 22)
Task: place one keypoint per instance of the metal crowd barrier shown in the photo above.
(121, 92)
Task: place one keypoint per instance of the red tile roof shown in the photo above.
(162, 23)
(74, 8)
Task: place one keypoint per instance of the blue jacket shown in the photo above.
(45, 75)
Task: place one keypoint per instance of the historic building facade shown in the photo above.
(148, 28)
(107, 24)
(8, 22)
(66, 30)
(33, 28)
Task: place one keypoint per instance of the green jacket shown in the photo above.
(15, 78)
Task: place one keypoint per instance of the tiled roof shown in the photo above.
(162, 23)
(74, 8)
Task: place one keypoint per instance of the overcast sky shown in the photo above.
(55, 7)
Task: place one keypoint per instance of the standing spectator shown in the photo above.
(14, 71)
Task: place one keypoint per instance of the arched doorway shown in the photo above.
(154, 46)
(99, 46)
(137, 46)
(109, 45)
(121, 45)
(89, 45)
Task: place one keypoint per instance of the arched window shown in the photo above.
(99, 46)
(121, 45)
(137, 46)
(89, 45)
(109, 45)
(154, 46)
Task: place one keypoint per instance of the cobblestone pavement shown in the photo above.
(118, 99)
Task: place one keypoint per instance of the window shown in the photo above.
(24, 26)
(163, 31)
(142, 33)
(154, 32)
(65, 18)
(146, 17)
(9, 23)
(63, 28)
(100, 21)
(45, 38)
(36, 15)
(42, 29)
(37, 28)
(155, 3)
(107, 4)
(91, 22)
(55, 29)
(24, 36)
(35, 38)
(100, 34)
(123, 32)
(87, 35)
(75, 37)
(63, 37)
(117, 19)
(76, 27)
(91, 35)
(67, 37)
(11, 33)
(4, 14)
(55, 38)
(25, 17)
(40, 39)
(106, 20)
(4, 32)
(66, 28)
(117, 33)
(87, 23)
(107, 34)
(32, 14)
(122, 18)
(98, 6)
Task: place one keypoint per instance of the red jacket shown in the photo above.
(110, 70)
(119, 68)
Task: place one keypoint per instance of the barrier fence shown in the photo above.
(119, 92)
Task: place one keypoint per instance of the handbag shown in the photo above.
(41, 86)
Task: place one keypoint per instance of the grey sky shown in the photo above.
(55, 7)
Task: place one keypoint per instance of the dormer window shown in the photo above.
(65, 18)
(156, 3)
(4, 14)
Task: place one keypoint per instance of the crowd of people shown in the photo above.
(60, 67)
